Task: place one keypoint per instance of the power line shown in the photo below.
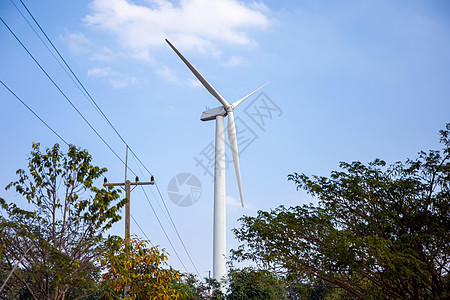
(151, 190)
(59, 136)
(148, 200)
(59, 89)
(96, 106)
(36, 115)
(176, 230)
(170, 217)
(154, 212)
(93, 101)
(50, 51)
(148, 239)
(74, 75)
(49, 77)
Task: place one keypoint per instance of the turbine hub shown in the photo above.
(230, 108)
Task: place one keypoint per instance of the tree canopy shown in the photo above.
(377, 231)
(131, 264)
(57, 238)
(248, 283)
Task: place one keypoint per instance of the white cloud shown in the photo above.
(233, 202)
(191, 24)
(114, 78)
(104, 55)
(234, 61)
(123, 82)
(166, 73)
(193, 83)
(169, 75)
(259, 6)
(77, 42)
(101, 72)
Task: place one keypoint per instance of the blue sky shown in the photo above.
(349, 80)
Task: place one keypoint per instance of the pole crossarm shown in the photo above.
(128, 185)
(131, 183)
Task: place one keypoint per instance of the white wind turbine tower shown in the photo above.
(218, 114)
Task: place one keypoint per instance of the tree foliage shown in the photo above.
(376, 232)
(57, 237)
(248, 283)
(193, 288)
(131, 263)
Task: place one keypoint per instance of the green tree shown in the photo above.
(248, 283)
(59, 239)
(215, 288)
(131, 264)
(377, 232)
(191, 288)
(311, 290)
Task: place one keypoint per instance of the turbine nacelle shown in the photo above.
(211, 114)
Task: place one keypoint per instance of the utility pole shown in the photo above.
(209, 288)
(209, 284)
(128, 185)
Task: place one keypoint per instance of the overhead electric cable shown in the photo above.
(154, 212)
(86, 93)
(74, 107)
(59, 136)
(35, 114)
(176, 230)
(74, 75)
(92, 101)
(151, 190)
(170, 217)
(62, 93)
(50, 51)
(142, 230)
(162, 198)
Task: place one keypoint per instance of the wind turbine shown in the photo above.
(218, 114)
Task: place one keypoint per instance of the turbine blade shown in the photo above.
(234, 150)
(205, 83)
(235, 104)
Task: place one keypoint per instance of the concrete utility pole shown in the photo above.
(128, 185)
